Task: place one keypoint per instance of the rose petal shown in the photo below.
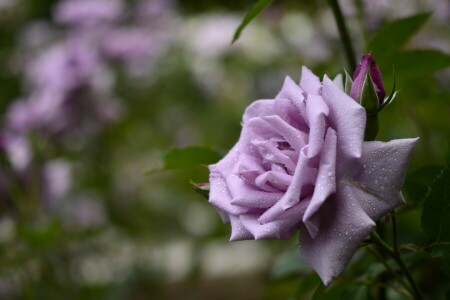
(271, 153)
(358, 204)
(309, 82)
(292, 135)
(348, 118)
(303, 175)
(278, 180)
(258, 108)
(245, 195)
(346, 226)
(325, 184)
(316, 111)
(238, 231)
(382, 171)
(292, 92)
(277, 229)
(219, 193)
(289, 112)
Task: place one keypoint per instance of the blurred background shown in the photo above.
(93, 93)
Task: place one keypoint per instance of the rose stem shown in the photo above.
(388, 267)
(398, 259)
(343, 33)
(394, 232)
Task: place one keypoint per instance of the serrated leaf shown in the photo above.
(394, 35)
(419, 63)
(251, 14)
(436, 217)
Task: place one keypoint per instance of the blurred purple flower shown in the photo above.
(18, 151)
(68, 84)
(56, 181)
(154, 11)
(65, 66)
(88, 12)
(22, 177)
(130, 44)
(83, 212)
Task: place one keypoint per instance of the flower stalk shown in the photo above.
(343, 32)
(395, 255)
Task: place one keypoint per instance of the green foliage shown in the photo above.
(332, 292)
(419, 63)
(289, 264)
(202, 189)
(436, 217)
(394, 35)
(251, 14)
(417, 183)
(189, 157)
(348, 83)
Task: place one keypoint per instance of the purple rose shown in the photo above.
(301, 163)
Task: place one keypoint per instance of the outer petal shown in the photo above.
(325, 184)
(280, 228)
(360, 200)
(219, 194)
(258, 108)
(293, 92)
(309, 82)
(382, 171)
(348, 118)
(345, 228)
(238, 231)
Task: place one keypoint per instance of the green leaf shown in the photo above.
(392, 95)
(436, 217)
(251, 14)
(332, 292)
(395, 34)
(202, 189)
(348, 83)
(369, 97)
(417, 183)
(319, 293)
(419, 63)
(190, 157)
(289, 264)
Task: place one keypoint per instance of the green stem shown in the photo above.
(398, 259)
(388, 267)
(394, 232)
(343, 32)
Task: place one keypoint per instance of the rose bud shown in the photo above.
(367, 87)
